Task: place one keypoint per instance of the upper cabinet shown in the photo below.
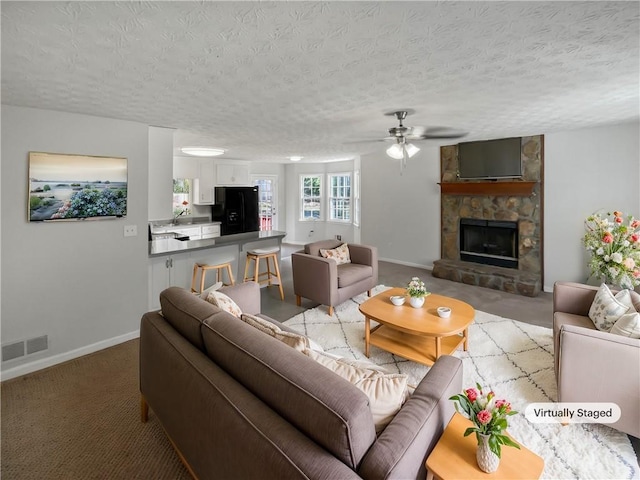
(232, 174)
(203, 185)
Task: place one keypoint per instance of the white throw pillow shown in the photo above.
(294, 340)
(224, 302)
(628, 325)
(387, 392)
(339, 254)
(205, 293)
(607, 308)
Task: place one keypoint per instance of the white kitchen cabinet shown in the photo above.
(203, 185)
(168, 271)
(232, 174)
(210, 231)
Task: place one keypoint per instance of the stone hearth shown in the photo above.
(501, 200)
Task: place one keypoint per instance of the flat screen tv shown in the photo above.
(76, 187)
(490, 159)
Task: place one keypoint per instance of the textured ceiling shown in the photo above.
(266, 80)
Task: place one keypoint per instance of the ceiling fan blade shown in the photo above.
(439, 132)
(354, 142)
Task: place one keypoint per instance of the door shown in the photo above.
(267, 200)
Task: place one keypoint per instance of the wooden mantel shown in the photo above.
(517, 188)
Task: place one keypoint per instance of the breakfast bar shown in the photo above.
(171, 260)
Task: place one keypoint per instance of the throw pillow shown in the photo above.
(628, 325)
(224, 302)
(205, 293)
(387, 392)
(607, 308)
(294, 340)
(339, 254)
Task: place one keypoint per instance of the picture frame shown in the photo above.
(68, 187)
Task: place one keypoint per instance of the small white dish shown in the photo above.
(444, 312)
(397, 299)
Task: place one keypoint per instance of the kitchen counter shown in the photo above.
(168, 246)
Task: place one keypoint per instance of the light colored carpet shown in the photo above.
(515, 359)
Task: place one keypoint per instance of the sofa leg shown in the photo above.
(331, 310)
(368, 293)
(298, 300)
(144, 409)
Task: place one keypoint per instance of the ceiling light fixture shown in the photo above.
(202, 151)
(402, 151)
(295, 158)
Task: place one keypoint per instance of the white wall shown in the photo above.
(585, 171)
(81, 283)
(401, 213)
(160, 173)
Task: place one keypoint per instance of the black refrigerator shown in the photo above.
(236, 208)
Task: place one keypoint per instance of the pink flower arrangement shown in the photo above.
(488, 414)
(614, 248)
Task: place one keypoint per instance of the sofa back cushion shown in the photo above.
(325, 407)
(314, 248)
(185, 312)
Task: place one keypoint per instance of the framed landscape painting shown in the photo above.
(66, 187)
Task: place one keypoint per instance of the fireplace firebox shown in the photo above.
(490, 242)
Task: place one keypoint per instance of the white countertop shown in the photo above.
(167, 246)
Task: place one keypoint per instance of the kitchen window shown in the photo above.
(340, 197)
(181, 197)
(311, 197)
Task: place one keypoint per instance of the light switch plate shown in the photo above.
(130, 230)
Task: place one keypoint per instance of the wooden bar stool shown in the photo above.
(264, 253)
(203, 268)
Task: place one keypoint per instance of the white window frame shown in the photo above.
(356, 198)
(331, 197)
(320, 197)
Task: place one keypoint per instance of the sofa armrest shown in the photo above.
(314, 277)
(570, 297)
(403, 446)
(597, 366)
(246, 295)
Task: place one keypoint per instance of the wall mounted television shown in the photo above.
(65, 187)
(490, 159)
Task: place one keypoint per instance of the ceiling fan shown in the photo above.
(401, 135)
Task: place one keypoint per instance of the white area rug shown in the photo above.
(515, 359)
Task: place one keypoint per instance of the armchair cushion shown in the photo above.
(350, 273)
(628, 325)
(607, 308)
(339, 254)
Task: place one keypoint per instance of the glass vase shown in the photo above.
(487, 460)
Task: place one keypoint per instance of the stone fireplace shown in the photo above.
(491, 231)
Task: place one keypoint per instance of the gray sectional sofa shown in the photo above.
(239, 404)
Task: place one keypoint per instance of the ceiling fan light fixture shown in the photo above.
(395, 151)
(411, 149)
(202, 151)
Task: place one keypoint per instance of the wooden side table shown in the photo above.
(454, 457)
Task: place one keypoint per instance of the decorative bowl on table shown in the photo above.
(444, 312)
(397, 299)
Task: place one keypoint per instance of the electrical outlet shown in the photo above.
(339, 238)
(310, 233)
(130, 230)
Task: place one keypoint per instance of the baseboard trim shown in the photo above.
(407, 264)
(47, 362)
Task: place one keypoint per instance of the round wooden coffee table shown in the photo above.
(417, 334)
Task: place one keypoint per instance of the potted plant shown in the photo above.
(417, 290)
(614, 247)
(489, 417)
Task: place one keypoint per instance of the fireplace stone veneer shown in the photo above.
(525, 209)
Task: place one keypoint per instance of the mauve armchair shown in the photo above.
(324, 281)
(592, 365)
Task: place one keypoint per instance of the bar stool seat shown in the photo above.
(203, 268)
(258, 254)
